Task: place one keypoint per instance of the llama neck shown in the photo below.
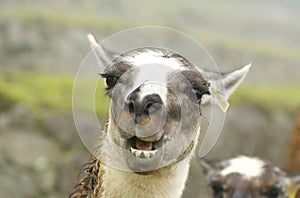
(167, 182)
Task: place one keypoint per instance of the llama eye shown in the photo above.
(110, 80)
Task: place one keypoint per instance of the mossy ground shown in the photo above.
(41, 92)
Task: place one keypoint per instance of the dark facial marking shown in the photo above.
(198, 85)
(113, 73)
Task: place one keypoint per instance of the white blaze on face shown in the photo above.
(153, 69)
(149, 88)
(246, 166)
(154, 57)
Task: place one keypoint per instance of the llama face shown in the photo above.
(245, 177)
(155, 111)
(155, 108)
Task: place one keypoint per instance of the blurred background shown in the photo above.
(42, 43)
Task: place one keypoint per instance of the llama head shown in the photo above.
(248, 177)
(155, 110)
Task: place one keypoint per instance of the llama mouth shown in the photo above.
(144, 149)
(143, 155)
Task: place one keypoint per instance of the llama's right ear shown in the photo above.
(230, 81)
(103, 55)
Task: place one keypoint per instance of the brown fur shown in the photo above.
(90, 184)
(293, 156)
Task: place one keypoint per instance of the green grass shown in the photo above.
(271, 98)
(46, 92)
(7, 97)
(38, 91)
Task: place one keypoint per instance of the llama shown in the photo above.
(249, 177)
(153, 125)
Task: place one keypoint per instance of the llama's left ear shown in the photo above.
(102, 54)
(230, 81)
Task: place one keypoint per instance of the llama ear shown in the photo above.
(102, 54)
(233, 79)
(230, 81)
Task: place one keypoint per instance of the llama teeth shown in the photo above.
(153, 152)
(133, 151)
(138, 153)
(143, 154)
(147, 154)
(151, 155)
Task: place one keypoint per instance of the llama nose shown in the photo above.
(142, 108)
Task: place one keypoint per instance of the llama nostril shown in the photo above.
(152, 107)
(131, 106)
(148, 106)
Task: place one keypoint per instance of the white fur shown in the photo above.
(166, 183)
(101, 54)
(149, 88)
(236, 76)
(246, 166)
(92, 40)
(154, 57)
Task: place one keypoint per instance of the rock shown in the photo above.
(61, 126)
(24, 147)
(256, 133)
(16, 182)
(19, 116)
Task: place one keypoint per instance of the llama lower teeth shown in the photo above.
(143, 154)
